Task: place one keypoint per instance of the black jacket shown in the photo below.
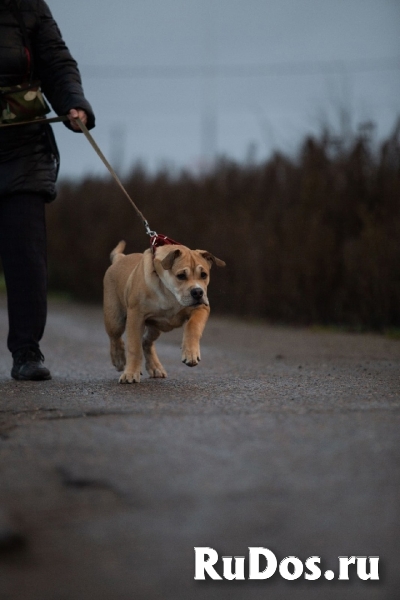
(28, 153)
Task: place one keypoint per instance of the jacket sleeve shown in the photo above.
(57, 70)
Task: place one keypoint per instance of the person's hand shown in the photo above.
(74, 113)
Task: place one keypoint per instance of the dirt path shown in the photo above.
(281, 438)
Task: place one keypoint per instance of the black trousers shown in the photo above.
(24, 257)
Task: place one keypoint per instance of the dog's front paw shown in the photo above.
(191, 357)
(130, 377)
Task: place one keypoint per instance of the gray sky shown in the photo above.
(276, 70)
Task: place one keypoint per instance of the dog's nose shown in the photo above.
(197, 293)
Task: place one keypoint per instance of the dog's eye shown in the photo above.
(203, 275)
(181, 276)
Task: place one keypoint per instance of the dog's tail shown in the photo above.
(118, 251)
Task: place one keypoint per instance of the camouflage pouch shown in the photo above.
(23, 102)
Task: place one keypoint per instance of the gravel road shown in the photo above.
(282, 438)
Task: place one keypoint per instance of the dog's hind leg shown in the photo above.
(115, 321)
(153, 364)
(117, 348)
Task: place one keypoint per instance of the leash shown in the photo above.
(155, 238)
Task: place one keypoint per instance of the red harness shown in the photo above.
(158, 239)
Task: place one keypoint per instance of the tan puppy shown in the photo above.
(149, 294)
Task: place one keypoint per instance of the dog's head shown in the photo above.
(185, 273)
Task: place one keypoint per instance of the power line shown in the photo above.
(328, 67)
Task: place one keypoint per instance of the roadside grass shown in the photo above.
(393, 333)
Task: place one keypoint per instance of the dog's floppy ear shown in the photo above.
(169, 260)
(210, 258)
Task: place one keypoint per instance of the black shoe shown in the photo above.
(28, 366)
